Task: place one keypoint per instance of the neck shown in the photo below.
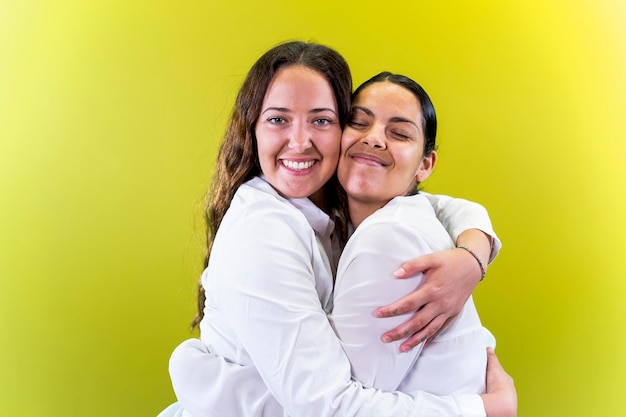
(361, 210)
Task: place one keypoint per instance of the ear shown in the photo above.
(426, 167)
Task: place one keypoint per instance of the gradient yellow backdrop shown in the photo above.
(110, 115)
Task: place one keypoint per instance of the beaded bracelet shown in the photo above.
(480, 264)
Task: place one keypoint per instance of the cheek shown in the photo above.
(264, 144)
(347, 139)
(411, 161)
(403, 180)
(332, 146)
(343, 173)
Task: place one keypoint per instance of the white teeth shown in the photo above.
(297, 166)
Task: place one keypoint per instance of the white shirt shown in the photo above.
(455, 361)
(457, 215)
(268, 285)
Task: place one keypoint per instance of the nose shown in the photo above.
(375, 137)
(299, 139)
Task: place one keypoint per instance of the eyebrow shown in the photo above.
(392, 120)
(364, 110)
(286, 110)
(403, 120)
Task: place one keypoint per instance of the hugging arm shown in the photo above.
(449, 276)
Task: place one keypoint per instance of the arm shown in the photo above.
(450, 276)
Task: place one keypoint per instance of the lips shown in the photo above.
(368, 159)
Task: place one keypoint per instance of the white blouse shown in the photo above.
(269, 288)
(455, 361)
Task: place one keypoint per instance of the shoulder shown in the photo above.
(407, 221)
(262, 225)
(260, 235)
(403, 212)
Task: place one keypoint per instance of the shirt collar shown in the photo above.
(319, 221)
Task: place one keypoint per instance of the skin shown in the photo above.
(298, 133)
(382, 149)
(501, 397)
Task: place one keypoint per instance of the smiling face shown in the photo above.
(298, 133)
(382, 147)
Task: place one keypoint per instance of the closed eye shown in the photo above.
(357, 124)
(401, 136)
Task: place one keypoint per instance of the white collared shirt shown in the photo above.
(454, 363)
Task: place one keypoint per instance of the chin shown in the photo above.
(361, 186)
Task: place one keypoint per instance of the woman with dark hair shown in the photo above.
(269, 277)
(387, 150)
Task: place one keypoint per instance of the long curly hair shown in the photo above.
(238, 160)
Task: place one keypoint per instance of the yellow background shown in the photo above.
(110, 114)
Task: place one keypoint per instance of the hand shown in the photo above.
(501, 397)
(449, 278)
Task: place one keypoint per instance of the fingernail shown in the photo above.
(404, 348)
(386, 339)
(378, 314)
(399, 272)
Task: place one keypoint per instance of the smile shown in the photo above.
(368, 159)
(297, 166)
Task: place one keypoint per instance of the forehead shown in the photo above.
(299, 83)
(386, 98)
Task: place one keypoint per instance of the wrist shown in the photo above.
(479, 262)
(480, 242)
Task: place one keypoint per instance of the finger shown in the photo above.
(436, 333)
(411, 302)
(426, 334)
(414, 266)
(403, 331)
(493, 369)
(410, 343)
(406, 305)
(413, 325)
(493, 363)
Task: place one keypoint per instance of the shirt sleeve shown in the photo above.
(207, 385)
(272, 306)
(364, 283)
(458, 215)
